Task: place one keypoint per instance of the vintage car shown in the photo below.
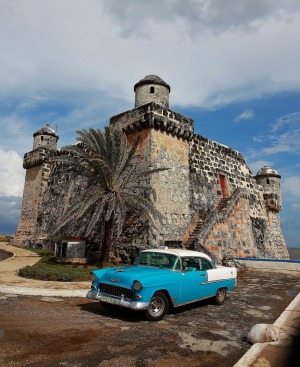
(161, 278)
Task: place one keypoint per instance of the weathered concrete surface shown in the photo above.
(284, 352)
(271, 264)
(58, 331)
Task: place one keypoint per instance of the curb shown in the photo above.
(42, 292)
(251, 355)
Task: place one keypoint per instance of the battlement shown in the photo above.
(154, 116)
(36, 157)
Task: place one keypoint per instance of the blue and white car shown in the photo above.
(161, 278)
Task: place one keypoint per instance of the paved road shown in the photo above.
(76, 332)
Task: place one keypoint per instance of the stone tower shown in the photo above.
(152, 89)
(164, 142)
(269, 179)
(36, 163)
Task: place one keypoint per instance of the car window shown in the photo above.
(191, 263)
(205, 264)
(165, 261)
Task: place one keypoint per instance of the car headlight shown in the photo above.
(137, 285)
(93, 277)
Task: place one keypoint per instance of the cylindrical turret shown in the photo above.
(45, 137)
(152, 89)
(269, 179)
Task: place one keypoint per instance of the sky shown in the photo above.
(233, 66)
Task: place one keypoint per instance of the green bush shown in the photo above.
(49, 269)
(3, 238)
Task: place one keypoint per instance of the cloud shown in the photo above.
(256, 165)
(12, 173)
(137, 18)
(11, 190)
(291, 120)
(10, 209)
(282, 136)
(291, 187)
(245, 115)
(213, 53)
(286, 135)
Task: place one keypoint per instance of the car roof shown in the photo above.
(179, 252)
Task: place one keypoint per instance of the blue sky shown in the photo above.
(233, 66)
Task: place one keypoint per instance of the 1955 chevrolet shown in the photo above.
(161, 278)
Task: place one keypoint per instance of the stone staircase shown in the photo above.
(203, 228)
(194, 234)
(223, 203)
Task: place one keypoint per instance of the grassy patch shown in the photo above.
(3, 238)
(49, 269)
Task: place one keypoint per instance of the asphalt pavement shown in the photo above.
(260, 355)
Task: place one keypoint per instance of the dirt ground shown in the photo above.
(76, 332)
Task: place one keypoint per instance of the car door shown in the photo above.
(194, 284)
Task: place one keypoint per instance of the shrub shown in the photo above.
(49, 269)
(4, 238)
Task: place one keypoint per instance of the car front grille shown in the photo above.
(114, 290)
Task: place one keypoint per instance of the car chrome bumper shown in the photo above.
(118, 301)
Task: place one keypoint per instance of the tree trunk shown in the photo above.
(107, 240)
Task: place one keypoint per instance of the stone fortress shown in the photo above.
(209, 199)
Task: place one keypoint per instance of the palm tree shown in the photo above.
(116, 183)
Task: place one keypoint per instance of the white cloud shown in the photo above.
(291, 187)
(245, 115)
(135, 17)
(11, 189)
(286, 135)
(213, 53)
(283, 136)
(291, 120)
(256, 165)
(12, 173)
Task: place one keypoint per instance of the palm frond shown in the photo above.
(117, 182)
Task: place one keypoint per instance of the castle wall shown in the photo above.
(171, 185)
(163, 144)
(279, 248)
(251, 229)
(209, 160)
(206, 194)
(34, 189)
(234, 236)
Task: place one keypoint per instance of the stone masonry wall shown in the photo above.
(143, 95)
(155, 116)
(251, 230)
(278, 247)
(164, 143)
(208, 160)
(34, 189)
(234, 236)
(171, 185)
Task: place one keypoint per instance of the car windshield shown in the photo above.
(164, 261)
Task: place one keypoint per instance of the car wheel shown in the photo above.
(220, 296)
(158, 307)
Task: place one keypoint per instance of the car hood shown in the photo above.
(125, 276)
